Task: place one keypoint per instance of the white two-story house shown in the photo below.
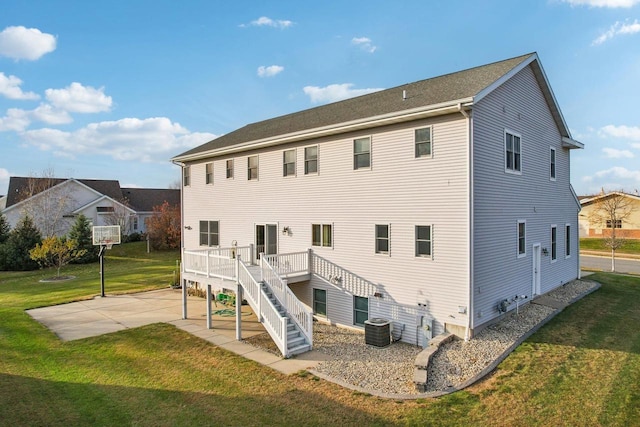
(436, 205)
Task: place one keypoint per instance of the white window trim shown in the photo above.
(208, 233)
(186, 176)
(353, 153)
(295, 163)
(326, 303)
(304, 160)
(430, 156)
(551, 242)
(518, 254)
(205, 173)
(375, 239)
(257, 168)
(504, 151)
(555, 162)
(415, 241)
(233, 169)
(565, 241)
(322, 224)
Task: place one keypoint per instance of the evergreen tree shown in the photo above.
(24, 237)
(5, 229)
(81, 233)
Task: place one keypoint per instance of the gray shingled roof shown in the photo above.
(433, 91)
(145, 199)
(140, 199)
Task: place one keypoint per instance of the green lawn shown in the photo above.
(591, 244)
(581, 369)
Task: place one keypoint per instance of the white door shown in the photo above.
(536, 270)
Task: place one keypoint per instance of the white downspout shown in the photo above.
(470, 310)
(184, 285)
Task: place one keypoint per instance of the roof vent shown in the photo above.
(404, 95)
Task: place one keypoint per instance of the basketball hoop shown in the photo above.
(108, 244)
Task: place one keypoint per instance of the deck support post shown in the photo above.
(184, 299)
(239, 312)
(209, 320)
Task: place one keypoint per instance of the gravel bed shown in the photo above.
(390, 369)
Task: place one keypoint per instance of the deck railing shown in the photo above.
(341, 277)
(288, 264)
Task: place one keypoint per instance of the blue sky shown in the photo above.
(113, 90)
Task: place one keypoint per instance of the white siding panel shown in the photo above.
(399, 190)
(501, 199)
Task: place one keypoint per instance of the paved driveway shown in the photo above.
(603, 263)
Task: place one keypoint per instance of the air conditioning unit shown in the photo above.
(377, 332)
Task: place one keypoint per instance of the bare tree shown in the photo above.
(47, 202)
(610, 212)
(121, 215)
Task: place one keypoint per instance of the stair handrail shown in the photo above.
(341, 277)
(267, 312)
(300, 315)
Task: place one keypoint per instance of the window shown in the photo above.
(289, 163)
(362, 153)
(186, 176)
(567, 241)
(311, 160)
(209, 235)
(552, 170)
(554, 243)
(423, 142)
(230, 169)
(135, 222)
(522, 242)
(382, 239)
(360, 310)
(423, 240)
(512, 152)
(208, 173)
(252, 167)
(105, 209)
(321, 235)
(320, 302)
(616, 222)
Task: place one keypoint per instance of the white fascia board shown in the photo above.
(448, 107)
(571, 143)
(96, 201)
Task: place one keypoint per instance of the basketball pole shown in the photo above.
(102, 249)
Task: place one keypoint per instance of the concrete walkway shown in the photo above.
(100, 316)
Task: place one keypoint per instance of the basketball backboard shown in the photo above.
(106, 235)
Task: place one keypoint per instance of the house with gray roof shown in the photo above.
(433, 206)
(54, 203)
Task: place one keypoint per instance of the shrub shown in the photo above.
(82, 234)
(15, 251)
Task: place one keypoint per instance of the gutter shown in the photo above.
(449, 107)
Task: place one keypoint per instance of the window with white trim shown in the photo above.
(208, 173)
(362, 153)
(186, 176)
(135, 222)
(252, 168)
(554, 243)
(289, 163)
(311, 160)
(322, 235)
(512, 149)
(422, 138)
(209, 233)
(567, 240)
(382, 238)
(552, 164)
(522, 240)
(230, 169)
(616, 223)
(360, 310)
(320, 302)
(423, 241)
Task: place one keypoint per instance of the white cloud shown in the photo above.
(25, 43)
(269, 71)
(335, 92)
(625, 132)
(603, 3)
(16, 120)
(10, 88)
(51, 115)
(79, 99)
(617, 29)
(264, 21)
(613, 153)
(4, 181)
(132, 139)
(364, 43)
(619, 172)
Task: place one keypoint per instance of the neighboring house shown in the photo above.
(595, 225)
(436, 205)
(54, 203)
